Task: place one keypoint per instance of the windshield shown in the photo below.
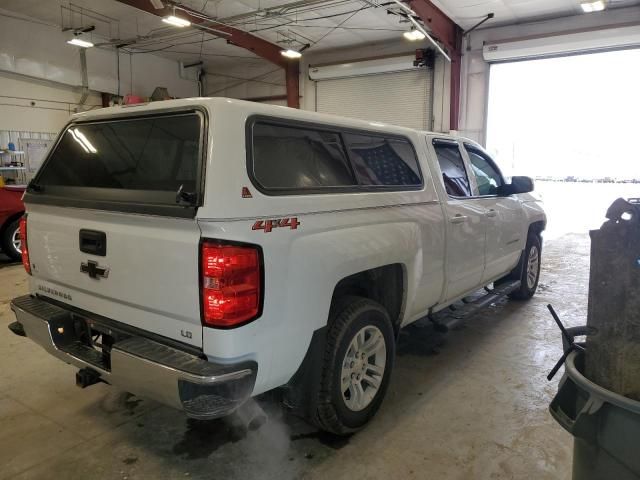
(144, 159)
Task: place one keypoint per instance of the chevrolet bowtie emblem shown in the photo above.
(94, 270)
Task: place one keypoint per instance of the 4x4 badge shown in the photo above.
(269, 225)
(94, 270)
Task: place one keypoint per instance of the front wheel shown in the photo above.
(11, 240)
(357, 365)
(530, 273)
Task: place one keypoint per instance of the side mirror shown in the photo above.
(517, 185)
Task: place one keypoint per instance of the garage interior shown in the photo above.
(469, 403)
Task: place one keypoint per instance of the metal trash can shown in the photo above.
(605, 426)
(613, 354)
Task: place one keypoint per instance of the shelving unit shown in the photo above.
(11, 165)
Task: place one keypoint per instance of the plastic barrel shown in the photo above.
(605, 426)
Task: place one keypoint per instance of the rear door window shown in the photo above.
(454, 174)
(296, 158)
(145, 159)
(380, 160)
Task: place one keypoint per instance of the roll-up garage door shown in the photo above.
(544, 46)
(399, 98)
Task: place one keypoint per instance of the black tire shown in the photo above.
(527, 287)
(349, 316)
(7, 240)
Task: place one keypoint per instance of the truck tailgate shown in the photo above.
(147, 277)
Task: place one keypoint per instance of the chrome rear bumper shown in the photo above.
(137, 364)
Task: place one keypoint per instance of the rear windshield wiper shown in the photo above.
(35, 187)
(185, 197)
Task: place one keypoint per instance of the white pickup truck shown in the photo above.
(203, 251)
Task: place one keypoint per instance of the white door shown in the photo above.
(505, 220)
(398, 98)
(466, 222)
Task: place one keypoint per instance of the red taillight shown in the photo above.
(231, 284)
(23, 244)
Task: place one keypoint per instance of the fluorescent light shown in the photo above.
(80, 43)
(86, 141)
(414, 35)
(290, 53)
(176, 21)
(82, 140)
(589, 7)
(157, 4)
(75, 137)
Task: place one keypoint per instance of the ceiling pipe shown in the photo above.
(235, 36)
(85, 77)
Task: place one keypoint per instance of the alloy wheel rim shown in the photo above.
(15, 241)
(533, 264)
(363, 368)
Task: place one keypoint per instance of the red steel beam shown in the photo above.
(262, 48)
(450, 34)
(454, 96)
(293, 84)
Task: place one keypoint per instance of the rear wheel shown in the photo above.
(357, 365)
(530, 273)
(11, 240)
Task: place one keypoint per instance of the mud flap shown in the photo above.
(300, 394)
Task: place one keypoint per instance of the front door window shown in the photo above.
(488, 177)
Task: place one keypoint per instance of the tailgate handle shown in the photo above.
(93, 242)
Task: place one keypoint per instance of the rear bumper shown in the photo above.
(137, 364)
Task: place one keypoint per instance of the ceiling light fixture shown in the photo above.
(176, 21)
(80, 43)
(409, 15)
(590, 7)
(290, 53)
(414, 35)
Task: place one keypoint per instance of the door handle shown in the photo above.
(93, 242)
(491, 213)
(459, 218)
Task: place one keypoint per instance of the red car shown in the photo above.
(11, 209)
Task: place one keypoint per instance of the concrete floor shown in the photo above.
(468, 405)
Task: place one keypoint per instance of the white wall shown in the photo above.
(147, 72)
(37, 65)
(53, 103)
(41, 51)
(227, 81)
(475, 71)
